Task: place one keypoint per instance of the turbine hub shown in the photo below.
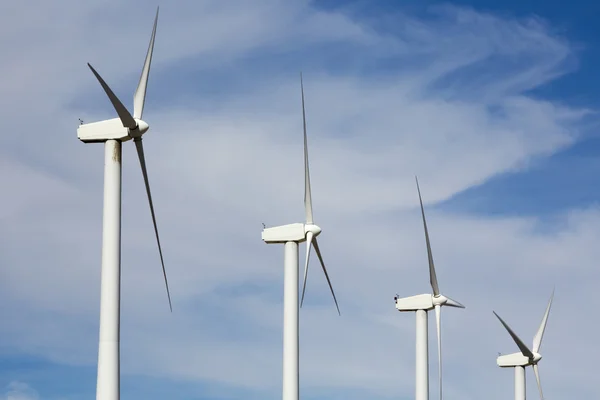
(439, 300)
(312, 228)
(536, 357)
(140, 129)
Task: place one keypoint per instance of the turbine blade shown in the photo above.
(140, 93)
(537, 340)
(307, 194)
(124, 115)
(453, 303)
(140, 152)
(326, 274)
(432, 276)
(524, 349)
(309, 238)
(537, 378)
(438, 320)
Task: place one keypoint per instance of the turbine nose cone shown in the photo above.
(312, 228)
(439, 300)
(142, 126)
(537, 357)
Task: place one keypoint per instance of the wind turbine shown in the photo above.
(113, 132)
(290, 235)
(421, 304)
(526, 357)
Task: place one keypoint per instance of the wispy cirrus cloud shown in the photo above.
(20, 391)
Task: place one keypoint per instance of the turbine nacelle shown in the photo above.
(517, 360)
(101, 131)
(290, 233)
(110, 129)
(425, 302)
(414, 303)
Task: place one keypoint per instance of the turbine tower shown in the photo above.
(290, 235)
(526, 357)
(421, 304)
(113, 132)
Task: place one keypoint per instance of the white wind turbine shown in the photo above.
(526, 357)
(113, 132)
(290, 235)
(421, 304)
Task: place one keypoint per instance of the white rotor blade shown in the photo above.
(537, 340)
(524, 349)
(124, 115)
(537, 378)
(453, 303)
(438, 320)
(307, 194)
(140, 152)
(309, 238)
(432, 275)
(140, 93)
(326, 274)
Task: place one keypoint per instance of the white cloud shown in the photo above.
(221, 167)
(20, 391)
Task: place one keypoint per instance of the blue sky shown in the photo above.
(492, 104)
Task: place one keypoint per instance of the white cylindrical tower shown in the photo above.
(422, 359)
(290, 323)
(107, 387)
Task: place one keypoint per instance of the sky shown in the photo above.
(492, 104)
